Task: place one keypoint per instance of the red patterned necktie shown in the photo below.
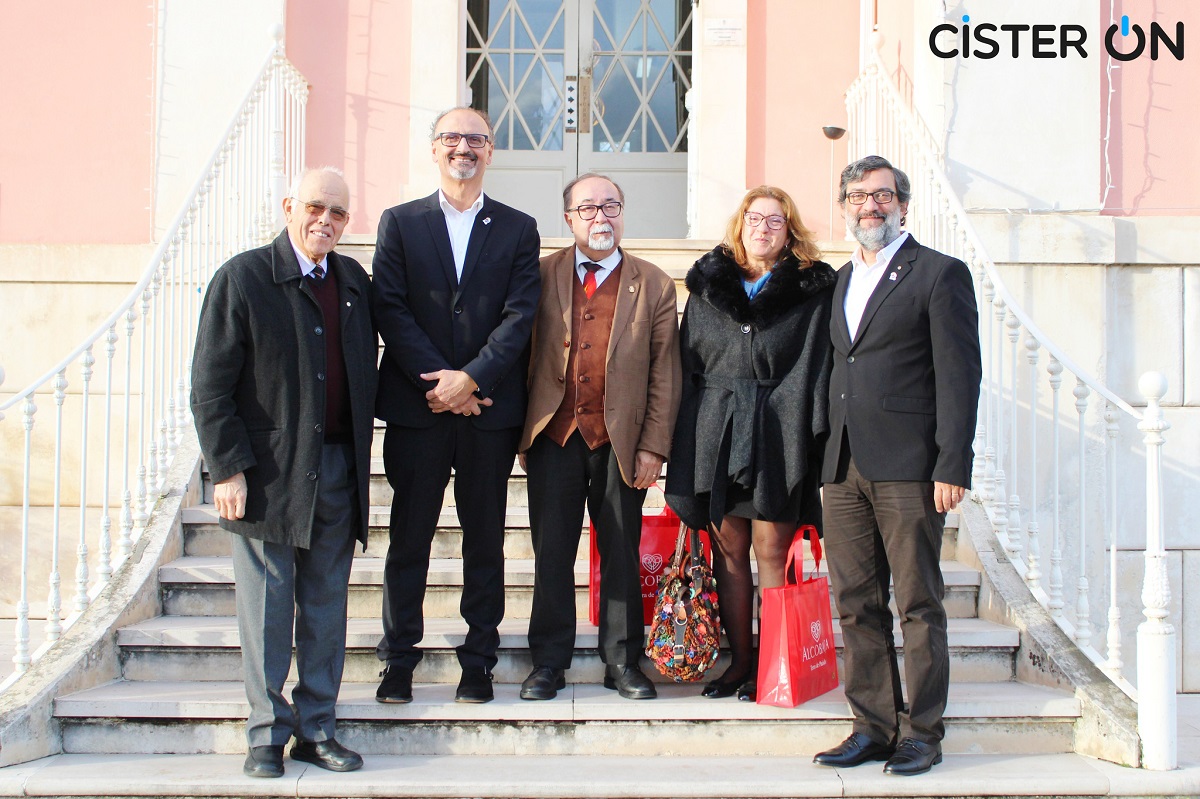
(589, 279)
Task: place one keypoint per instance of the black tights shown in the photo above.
(735, 581)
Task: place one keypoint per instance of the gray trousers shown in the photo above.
(278, 585)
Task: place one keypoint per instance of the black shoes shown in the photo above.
(396, 688)
(629, 682)
(913, 757)
(544, 682)
(721, 688)
(748, 691)
(854, 751)
(329, 755)
(264, 761)
(475, 687)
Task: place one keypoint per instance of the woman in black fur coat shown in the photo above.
(746, 454)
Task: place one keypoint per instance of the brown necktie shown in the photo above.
(589, 280)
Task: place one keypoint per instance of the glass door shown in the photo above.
(592, 85)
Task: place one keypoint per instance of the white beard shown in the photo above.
(601, 240)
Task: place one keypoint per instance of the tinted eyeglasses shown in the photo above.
(474, 140)
(336, 213)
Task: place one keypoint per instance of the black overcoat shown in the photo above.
(755, 388)
(257, 392)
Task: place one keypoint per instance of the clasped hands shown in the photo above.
(454, 393)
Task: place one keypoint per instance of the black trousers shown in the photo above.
(561, 480)
(418, 463)
(876, 531)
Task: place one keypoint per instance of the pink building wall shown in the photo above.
(355, 56)
(1154, 157)
(801, 57)
(76, 134)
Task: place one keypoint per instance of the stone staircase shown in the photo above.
(180, 690)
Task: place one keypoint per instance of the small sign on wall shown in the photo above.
(725, 32)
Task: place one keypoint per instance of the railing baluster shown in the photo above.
(125, 544)
(21, 657)
(81, 551)
(1033, 574)
(1083, 623)
(1055, 605)
(54, 597)
(1014, 501)
(1113, 664)
(989, 451)
(104, 569)
(1000, 491)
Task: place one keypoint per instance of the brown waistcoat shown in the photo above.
(582, 406)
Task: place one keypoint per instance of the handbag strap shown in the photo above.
(796, 553)
(677, 558)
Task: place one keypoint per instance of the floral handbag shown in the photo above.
(685, 632)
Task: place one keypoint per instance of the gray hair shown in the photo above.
(855, 172)
(571, 187)
(294, 190)
(482, 115)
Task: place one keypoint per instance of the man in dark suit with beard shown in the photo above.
(457, 284)
(902, 403)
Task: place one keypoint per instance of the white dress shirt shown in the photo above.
(864, 279)
(607, 265)
(459, 225)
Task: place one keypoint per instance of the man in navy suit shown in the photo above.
(457, 285)
(902, 403)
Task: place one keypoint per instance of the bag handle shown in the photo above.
(796, 553)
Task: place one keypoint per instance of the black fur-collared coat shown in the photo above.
(755, 391)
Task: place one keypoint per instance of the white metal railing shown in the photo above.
(1020, 428)
(146, 345)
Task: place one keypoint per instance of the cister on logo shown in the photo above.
(1123, 41)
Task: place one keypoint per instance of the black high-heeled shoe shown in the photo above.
(719, 688)
(748, 690)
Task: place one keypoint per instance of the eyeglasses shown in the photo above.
(474, 140)
(336, 213)
(588, 212)
(883, 196)
(775, 222)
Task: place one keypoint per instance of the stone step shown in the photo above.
(550, 775)
(203, 586)
(204, 537)
(209, 717)
(179, 647)
(381, 490)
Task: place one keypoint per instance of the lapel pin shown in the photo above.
(892, 276)
(487, 220)
(631, 289)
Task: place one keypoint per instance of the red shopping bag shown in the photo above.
(796, 657)
(660, 528)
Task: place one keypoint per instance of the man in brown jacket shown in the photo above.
(604, 386)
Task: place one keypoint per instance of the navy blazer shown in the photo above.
(906, 390)
(430, 320)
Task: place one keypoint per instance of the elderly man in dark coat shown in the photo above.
(283, 393)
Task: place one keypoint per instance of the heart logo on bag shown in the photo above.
(814, 627)
(653, 563)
